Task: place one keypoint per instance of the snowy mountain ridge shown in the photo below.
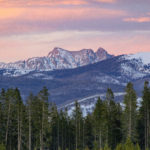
(58, 58)
(136, 65)
(143, 56)
(133, 66)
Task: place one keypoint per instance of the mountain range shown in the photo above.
(58, 58)
(79, 75)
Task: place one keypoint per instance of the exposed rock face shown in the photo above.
(58, 58)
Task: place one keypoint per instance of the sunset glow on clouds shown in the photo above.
(33, 28)
(37, 19)
(15, 3)
(140, 20)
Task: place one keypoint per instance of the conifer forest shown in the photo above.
(37, 124)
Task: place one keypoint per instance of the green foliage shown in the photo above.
(96, 147)
(130, 113)
(79, 124)
(2, 147)
(106, 147)
(129, 145)
(120, 147)
(59, 148)
(100, 122)
(88, 131)
(54, 129)
(114, 115)
(137, 147)
(86, 148)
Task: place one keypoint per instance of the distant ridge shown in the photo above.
(58, 58)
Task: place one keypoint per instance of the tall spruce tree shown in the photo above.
(130, 112)
(19, 105)
(110, 104)
(88, 132)
(114, 113)
(43, 97)
(29, 109)
(11, 128)
(100, 123)
(144, 117)
(2, 116)
(78, 121)
(54, 121)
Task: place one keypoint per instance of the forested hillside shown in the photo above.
(37, 124)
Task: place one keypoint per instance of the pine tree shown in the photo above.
(144, 117)
(88, 132)
(100, 122)
(130, 113)
(19, 104)
(129, 145)
(78, 120)
(109, 103)
(10, 116)
(114, 113)
(2, 116)
(146, 105)
(43, 97)
(36, 122)
(54, 121)
(29, 109)
(115, 125)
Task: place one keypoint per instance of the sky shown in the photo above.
(30, 28)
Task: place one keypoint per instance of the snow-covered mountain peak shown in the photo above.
(57, 51)
(143, 56)
(86, 50)
(135, 66)
(58, 58)
(102, 54)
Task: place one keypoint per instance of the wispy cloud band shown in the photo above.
(15, 3)
(37, 19)
(138, 20)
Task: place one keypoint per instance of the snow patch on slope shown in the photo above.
(131, 72)
(143, 56)
(135, 66)
(106, 79)
(87, 104)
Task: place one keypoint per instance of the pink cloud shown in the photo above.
(32, 19)
(106, 1)
(57, 2)
(139, 19)
(10, 13)
(72, 13)
(23, 3)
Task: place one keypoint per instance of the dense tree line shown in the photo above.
(37, 124)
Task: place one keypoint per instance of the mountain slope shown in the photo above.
(73, 84)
